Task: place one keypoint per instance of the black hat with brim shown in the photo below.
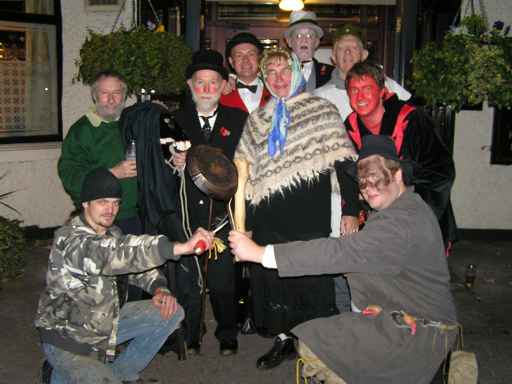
(241, 38)
(382, 145)
(207, 59)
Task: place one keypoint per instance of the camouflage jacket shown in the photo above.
(79, 309)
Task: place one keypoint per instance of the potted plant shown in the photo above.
(472, 64)
(147, 59)
(12, 243)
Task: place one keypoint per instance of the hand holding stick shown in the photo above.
(242, 167)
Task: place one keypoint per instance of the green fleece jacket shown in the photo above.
(89, 144)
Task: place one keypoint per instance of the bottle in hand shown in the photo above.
(131, 151)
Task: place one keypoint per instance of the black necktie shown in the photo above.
(207, 128)
(252, 88)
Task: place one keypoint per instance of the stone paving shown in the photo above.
(484, 312)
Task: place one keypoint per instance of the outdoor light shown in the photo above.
(291, 5)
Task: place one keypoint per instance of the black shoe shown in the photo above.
(46, 372)
(281, 350)
(228, 348)
(193, 349)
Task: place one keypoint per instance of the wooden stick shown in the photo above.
(242, 167)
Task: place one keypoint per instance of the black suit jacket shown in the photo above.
(225, 135)
(323, 72)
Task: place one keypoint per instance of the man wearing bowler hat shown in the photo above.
(404, 321)
(206, 122)
(243, 52)
(303, 37)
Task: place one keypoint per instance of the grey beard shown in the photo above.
(109, 116)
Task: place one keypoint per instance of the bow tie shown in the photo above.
(251, 88)
(303, 63)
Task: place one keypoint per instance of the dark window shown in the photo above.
(501, 148)
(30, 71)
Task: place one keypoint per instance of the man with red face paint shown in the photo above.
(378, 112)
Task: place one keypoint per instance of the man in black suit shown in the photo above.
(303, 37)
(206, 122)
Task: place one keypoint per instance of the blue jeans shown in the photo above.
(139, 322)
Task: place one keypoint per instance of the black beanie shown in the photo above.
(100, 183)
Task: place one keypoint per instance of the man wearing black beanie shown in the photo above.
(80, 318)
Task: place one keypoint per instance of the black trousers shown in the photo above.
(221, 285)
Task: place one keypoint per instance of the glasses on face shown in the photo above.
(273, 74)
(306, 35)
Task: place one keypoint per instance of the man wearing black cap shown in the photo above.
(80, 316)
(206, 122)
(347, 50)
(404, 319)
(243, 52)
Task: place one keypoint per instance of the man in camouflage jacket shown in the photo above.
(80, 318)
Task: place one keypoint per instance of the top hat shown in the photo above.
(303, 19)
(207, 59)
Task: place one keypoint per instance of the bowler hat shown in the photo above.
(303, 19)
(240, 38)
(207, 59)
(382, 145)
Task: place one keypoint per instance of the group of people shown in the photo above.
(325, 147)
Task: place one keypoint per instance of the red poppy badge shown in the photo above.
(225, 132)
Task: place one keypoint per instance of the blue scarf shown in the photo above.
(281, 116)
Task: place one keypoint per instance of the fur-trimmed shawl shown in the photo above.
(316, 139)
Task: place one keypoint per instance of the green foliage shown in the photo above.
(12, 249)
(12, 243)
(147, 59)
(469, 66)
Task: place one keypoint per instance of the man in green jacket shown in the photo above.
(80, 318)
(95, 141)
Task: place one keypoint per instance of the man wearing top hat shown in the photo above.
(205, 121)
(243, 52)
(303, 37)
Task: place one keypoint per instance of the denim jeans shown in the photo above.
(139, 322)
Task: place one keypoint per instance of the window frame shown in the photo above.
(56, 20)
